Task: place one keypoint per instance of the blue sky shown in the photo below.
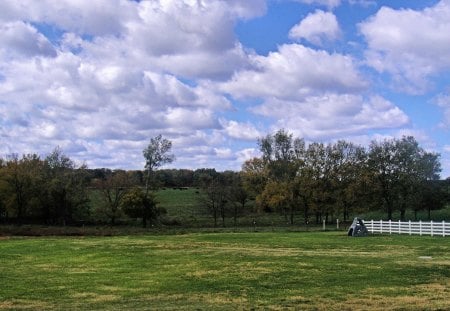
(100, 78)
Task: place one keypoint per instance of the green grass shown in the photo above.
(183, 206)
(186, 207)
(226, 271)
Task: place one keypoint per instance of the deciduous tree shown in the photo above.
(112, 190)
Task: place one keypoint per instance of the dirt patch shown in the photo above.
(104, 298)
(22, 304)
(95, 297)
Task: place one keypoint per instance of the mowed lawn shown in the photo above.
(226, 271)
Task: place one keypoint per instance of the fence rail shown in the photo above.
(432, 228)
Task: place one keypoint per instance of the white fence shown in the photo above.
(409, 227)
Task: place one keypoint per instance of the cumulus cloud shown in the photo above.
(245, 131)
(443, 101)
(23, 39)
(97, 18)
(411, 55)
(333, 115)
(295, 71)
(111, 74)
(99, 79)
(316, 28)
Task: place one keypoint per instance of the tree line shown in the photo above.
(341, 179)
(304, 182)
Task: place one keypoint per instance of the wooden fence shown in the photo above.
(433, 228)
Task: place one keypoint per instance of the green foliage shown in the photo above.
(291, 183)
(51, 190)
(225, 271)
(65, 197)
(112, 188)
(137, 204)
(156, 154)
(400, 171)
(342, 178)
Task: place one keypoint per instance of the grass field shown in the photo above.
(184, 206)
(226, 271)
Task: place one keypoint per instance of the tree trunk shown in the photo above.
(222, 215)
(389, 208)
(306, 213)
(345, 214)
(318, 218)
(144, 221)
(402, 214)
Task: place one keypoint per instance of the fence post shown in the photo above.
(399, 226)
(390, 226)
(409, 227)
(443, 228)
(371, 222)
(431, 227)
(420, 227)
(324, 226)
(337, 224)
(381, 226)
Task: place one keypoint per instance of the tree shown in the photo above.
(237, 195)
(348, 176)
(399, 167)
(156, 154)
(20, 184)
(137, 204)
(215, 194)
(282, 158)
(67, 188)
(112, 190)
(255, 176)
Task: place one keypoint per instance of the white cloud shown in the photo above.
(410, 45)
(97, 18)
(197, 40)
(182, 119)
(224, 153)
(443, 101)
(333, 116)
(248, 8)
(294, 72)
(245, 131)
(206, 65)
(25, 40)
(316, 28)
(99, 79)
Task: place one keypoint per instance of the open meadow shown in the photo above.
(225, 271)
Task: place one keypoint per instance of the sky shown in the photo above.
(99, 78)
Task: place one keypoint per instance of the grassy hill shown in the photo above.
(184, 208)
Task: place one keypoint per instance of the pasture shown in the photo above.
(225, 271)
